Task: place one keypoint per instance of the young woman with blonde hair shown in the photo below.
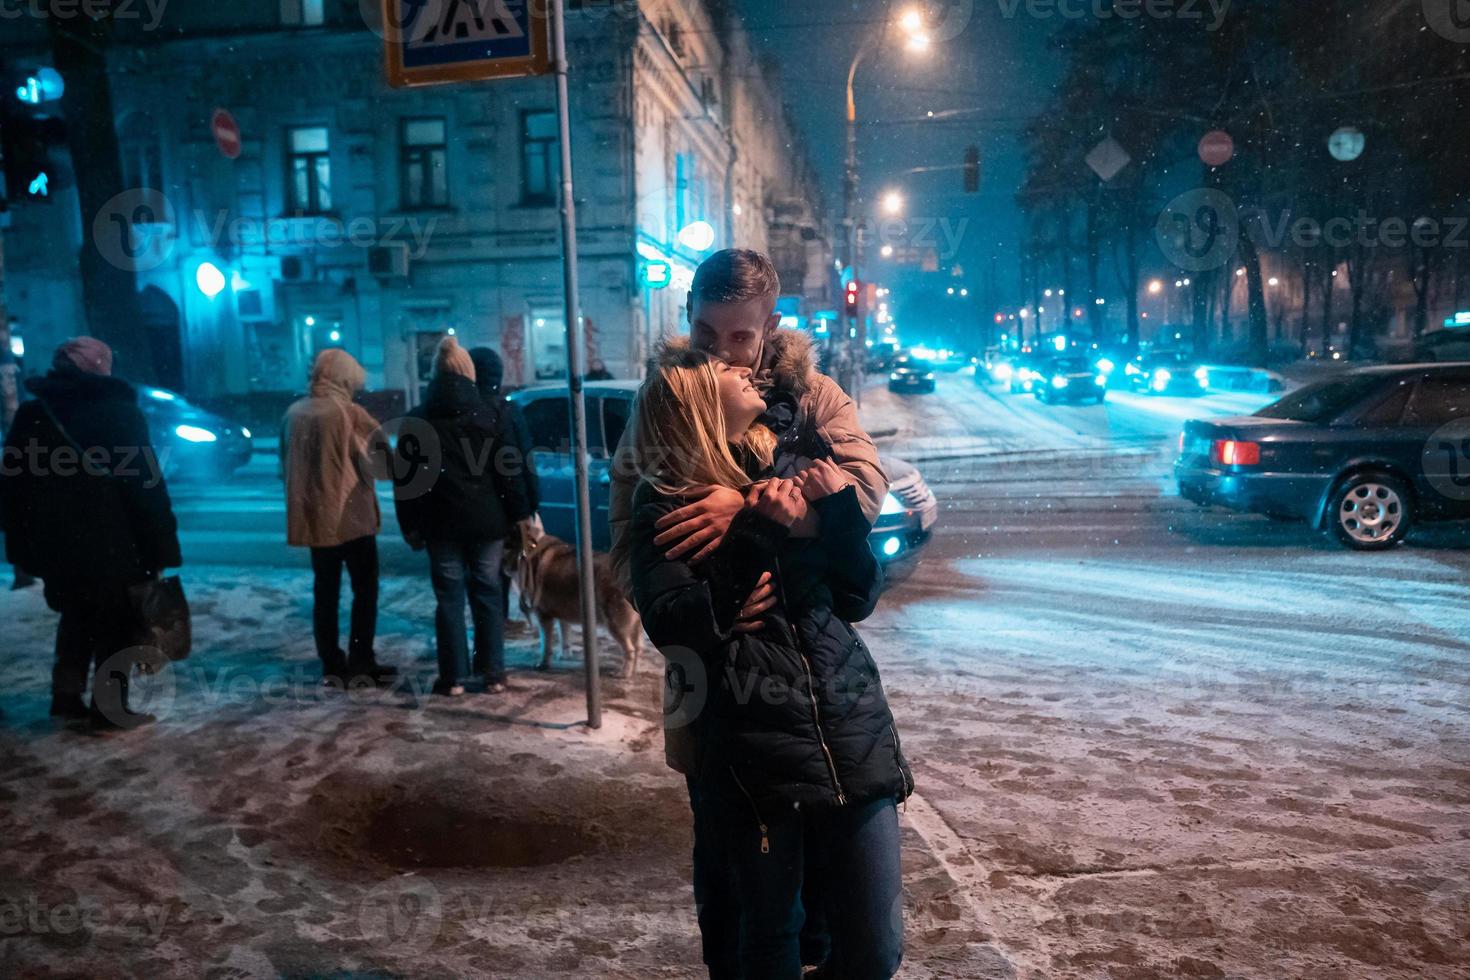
(793, 746)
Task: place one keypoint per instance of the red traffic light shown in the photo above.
(853, 289)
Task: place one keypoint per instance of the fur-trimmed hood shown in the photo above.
(789, 363)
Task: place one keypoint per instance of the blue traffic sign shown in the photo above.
(434, 41)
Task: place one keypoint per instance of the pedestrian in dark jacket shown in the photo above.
(518, 462)
(462, 514)
(87, 511)
(794, 745)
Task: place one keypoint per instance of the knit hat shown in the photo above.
(450, 358)
(86, 354)
(489, 368)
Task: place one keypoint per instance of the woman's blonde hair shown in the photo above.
(679, 436)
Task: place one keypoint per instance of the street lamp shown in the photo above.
(910, 24)
(893, 203)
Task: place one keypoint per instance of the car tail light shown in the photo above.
(1229, 452)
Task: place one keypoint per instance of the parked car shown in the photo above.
(192, 443)
(911, 375)
(1070, 378)
(908, 515)
(1166, 373)
(1364, 455)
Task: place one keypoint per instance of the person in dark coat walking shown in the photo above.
(794, 746)
(86, 510)
(461, 514)
(489, 376)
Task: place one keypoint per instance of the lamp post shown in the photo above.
(911, 23)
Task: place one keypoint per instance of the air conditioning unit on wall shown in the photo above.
(297, 268)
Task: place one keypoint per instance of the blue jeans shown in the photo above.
(857, 858)
(457, 567)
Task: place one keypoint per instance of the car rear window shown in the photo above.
(1324, 400)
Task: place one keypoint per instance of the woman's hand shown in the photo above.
(822, 479)
(777, 500)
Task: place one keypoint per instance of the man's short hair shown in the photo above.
(735, 275)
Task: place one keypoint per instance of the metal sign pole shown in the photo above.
(575, 369)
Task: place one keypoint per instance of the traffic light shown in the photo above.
(29, 139)
(972, 170)
(853, 289)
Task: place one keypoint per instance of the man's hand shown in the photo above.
(696, 530)
(822, 479)
(777, 500)
(762, 599)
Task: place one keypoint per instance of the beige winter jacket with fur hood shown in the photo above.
(324, 459)
(789, 365)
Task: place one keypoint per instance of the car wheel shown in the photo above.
(1370, 512)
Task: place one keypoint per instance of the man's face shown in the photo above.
(733, 332)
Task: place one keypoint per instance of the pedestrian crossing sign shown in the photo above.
(428, 42)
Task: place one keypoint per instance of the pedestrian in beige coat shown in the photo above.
(328, 444)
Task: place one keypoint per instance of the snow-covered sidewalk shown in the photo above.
(265, 828)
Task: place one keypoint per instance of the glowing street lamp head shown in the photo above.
(911, 20)
(892, 202)
(1155, 287)
(887, 251)
(698, 235)
(919, 43)
(209, 279)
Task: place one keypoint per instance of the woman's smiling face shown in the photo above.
(739, 400)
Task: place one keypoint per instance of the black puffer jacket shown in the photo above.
(68, 522)
(795, 712)
(477, 493)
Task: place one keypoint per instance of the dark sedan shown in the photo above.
(1365, 455)
(193, 443)
(911, 375)
(1166, 373)
(1071, 378)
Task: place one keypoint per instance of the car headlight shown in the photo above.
(1202, 375)
(193, 433)
(1059, 382)
(929, 376)
(891, 547)
(1001, 372)
(1105, 366)
(891, 505)
(246, 433)
(895, 376)
(1162, 377)
(1131, 369)
(1101, 380)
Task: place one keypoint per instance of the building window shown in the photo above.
(308, 170)
(302, 13)
(424, 159)
(540, 170)
(141, 149)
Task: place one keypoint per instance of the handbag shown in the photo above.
(160, 608)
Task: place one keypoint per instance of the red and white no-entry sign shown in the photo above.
(1217, 148)
(226, 133)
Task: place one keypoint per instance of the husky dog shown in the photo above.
(546, 574)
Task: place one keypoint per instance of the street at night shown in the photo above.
(630, 489)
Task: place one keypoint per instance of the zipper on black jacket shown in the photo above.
(908, 786)
(765, 835)
(811, 693)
